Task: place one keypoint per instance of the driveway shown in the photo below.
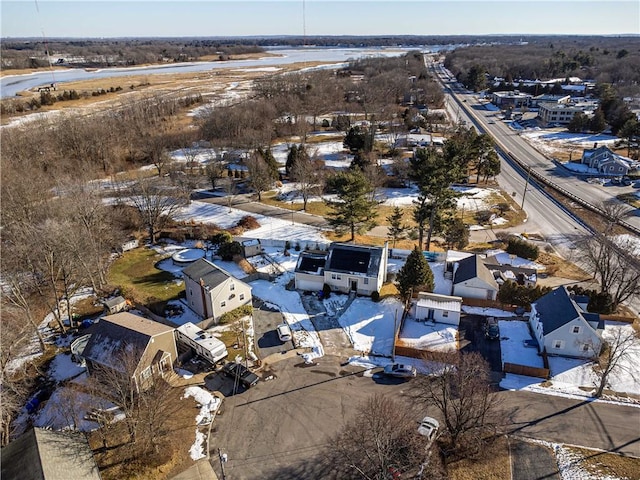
(532, 461)
(265, 321)
(472, 339)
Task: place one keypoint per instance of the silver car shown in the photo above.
(428, 428)
(400, 370)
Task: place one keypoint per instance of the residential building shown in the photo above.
(131, 342)
(605, 161)
(551, 113)
(212, 291)
(561, 327)
(472, 279)
(438, 308)
(346, 267)
(41, 454)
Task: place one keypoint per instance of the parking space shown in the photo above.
(472, 339)
(265, 321)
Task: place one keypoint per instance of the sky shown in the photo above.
(153, 18)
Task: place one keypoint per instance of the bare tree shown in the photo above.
(381, 441)
(155, 204)
(260, 175)
(215, 169)
(616, 356)
(463, 397)
(307, 172)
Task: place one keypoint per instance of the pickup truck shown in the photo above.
(241, 373)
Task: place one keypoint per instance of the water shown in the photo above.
(10, 85)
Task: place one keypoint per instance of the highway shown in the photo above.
(468, 107)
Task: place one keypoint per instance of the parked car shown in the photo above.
(240, 373)
(429, 428)
(284, 332)
(491, 329)
(400, 370)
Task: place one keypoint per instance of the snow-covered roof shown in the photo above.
(439, 302)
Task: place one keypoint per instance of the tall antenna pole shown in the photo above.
(46, 46)
(304, 23)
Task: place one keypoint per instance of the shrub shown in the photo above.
(248, 223)
(219, 238)
(375, 296)
(227, 250)
(522, 248)
(326, 290)
(235, 314)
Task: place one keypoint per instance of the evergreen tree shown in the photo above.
(456, 233)
(396, 229)
(271, 162)
(295, 152)
(353, 211)
(415, 274)
(355, 140)
(597, 122)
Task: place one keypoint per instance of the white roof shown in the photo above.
(440, 302)
(201, 337)
(455, 256)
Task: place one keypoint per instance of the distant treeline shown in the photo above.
(612, 60)
(33, 53)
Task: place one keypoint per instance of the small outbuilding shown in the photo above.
(115, 304)
(438, 308)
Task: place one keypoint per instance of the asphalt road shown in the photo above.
(532, 461)
(278, 429)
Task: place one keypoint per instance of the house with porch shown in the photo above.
(212, 291)
(345, 267)
(133, 345)
(561, 327)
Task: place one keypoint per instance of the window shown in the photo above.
(232, 296)
(366, 281)
(232, 286)
(146, 373)
(242, 296)
(558, 344)
(585, 347)
(335, 276)
(190, 292)
(445, 313)
(223, 304)
(576, 329)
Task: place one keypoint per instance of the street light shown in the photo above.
(525, 187)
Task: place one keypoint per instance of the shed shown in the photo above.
(115, 304)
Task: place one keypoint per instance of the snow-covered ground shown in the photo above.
(567, 375)
(209, 405)
(370, 326)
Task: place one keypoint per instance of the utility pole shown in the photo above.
(526, 185)
(223, 459)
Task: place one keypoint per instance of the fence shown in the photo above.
(618, 318)
(481, 302)
(525, 370)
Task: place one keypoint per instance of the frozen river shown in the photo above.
(10, 85)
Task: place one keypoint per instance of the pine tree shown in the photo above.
(415, 273)
(396, 229)
(353, 211)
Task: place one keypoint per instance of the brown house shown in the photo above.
(126, 341)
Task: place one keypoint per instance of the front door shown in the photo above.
(354, 285)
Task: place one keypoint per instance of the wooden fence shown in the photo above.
(526, 370)
(480, 302)
(618, 318)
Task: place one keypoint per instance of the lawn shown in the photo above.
(495, 463)
(135, 273)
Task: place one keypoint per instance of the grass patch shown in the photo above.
(630, 198)
(555, 264)
(604, 464)
(493, 464)
(135, 273)
(389, 290)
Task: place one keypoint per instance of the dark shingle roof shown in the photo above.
(204, 270)
(350, 258)
(472, 267)
(48, 455)
(556, 309)
(311, 262)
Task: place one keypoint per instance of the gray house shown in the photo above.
(212, 291)
(41, 454)
(472, 279)
(605, 161)
(561, 327)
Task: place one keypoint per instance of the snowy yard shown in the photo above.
(438, 337)
(567, 374)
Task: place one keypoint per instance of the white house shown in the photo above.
(211, 291)
(346, 267)
(439, 308)
(472, 279)
(562, 328)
